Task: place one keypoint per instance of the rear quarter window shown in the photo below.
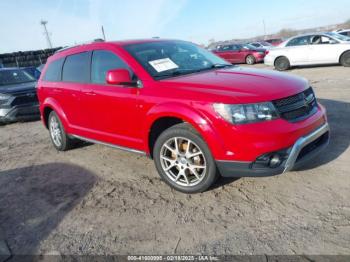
(53, 71)
(304, 40)
(76, 68)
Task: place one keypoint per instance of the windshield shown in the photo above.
(173, 58)
(14, 76)
(338, 36)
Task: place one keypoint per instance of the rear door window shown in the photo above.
(236, 47)
(304, 40)
(54, 70)
(76, 68)
(102, 62)
(225, 48)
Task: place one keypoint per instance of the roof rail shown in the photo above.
(80, 44)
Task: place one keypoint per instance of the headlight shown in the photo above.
(246, 113)
(4, 97)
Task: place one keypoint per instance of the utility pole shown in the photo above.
(46, 33)
(264, 29)
(103, 33)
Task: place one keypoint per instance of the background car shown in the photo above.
(262, 44)
(18, 99)
(274, 41)
(33, 71)
(311, 49)
(241, 53)
(345, 32)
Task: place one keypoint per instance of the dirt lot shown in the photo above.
(98, 200)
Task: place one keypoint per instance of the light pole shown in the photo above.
(43, 23)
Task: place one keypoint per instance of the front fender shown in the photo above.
(55, 106)
(190, 115)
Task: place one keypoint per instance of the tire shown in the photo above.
(282, 64)
(250, 60)
(61, 142)
(345, 59)
(190, 168)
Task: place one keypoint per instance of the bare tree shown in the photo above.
(286, 32)
(347, 23)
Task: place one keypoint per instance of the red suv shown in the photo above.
(196, 115)
(238, 54)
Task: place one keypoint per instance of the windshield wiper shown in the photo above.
(190, 71)
(177, 73)
(220, 65)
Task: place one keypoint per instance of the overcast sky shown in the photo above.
(74, 21)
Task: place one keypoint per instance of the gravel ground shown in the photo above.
(98, 200)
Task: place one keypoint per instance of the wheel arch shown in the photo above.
(245, 58)
(280, 56)
(340, 57)
(50, 105)
(164, 116)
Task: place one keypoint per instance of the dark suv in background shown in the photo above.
(18, 99)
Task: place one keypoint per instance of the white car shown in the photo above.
(262, 44)
(310, 49)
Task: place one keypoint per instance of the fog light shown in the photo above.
(275, 161)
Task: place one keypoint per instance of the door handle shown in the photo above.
(57, 90)
(90, 93)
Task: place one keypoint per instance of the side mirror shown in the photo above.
(119, 77)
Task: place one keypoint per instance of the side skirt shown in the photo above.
(109, 145)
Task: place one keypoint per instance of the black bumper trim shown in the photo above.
(244, 169)
(22, 113)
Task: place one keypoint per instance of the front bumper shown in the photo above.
(269, 60)
(20, 113)
(259, 58)
(303, 150)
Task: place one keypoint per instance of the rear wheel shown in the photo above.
(250, 60)
(282, 64)
(183, 159)
(345, 59)
(58, 135)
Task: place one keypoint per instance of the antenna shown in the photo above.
(43, 23)
(103, 33)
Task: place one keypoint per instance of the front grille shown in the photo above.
(297, 107)
(25, 98)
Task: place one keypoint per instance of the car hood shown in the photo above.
(17, 88)
(238, 84)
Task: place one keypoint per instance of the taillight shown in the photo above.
(267, 52)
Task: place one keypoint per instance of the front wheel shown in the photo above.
(345, 59)
(282, 64)
(183, 159)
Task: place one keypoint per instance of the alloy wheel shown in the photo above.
(250, 60)
(183, 161)
(55, 131)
